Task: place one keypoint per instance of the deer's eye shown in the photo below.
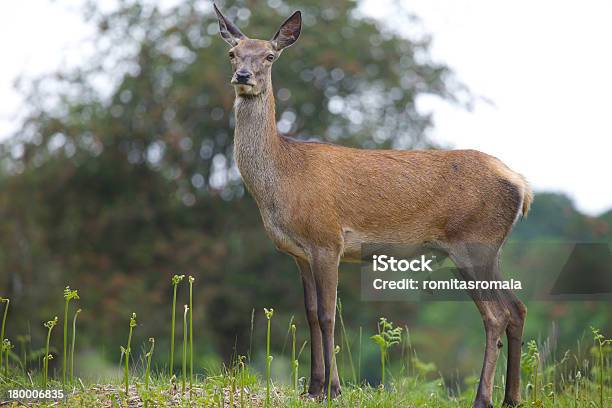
(231, 55)
(270, 57)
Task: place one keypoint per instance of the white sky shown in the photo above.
(546, 65)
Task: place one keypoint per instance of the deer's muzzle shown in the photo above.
(242, 77)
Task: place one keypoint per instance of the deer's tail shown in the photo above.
(521, 183)
(527, 195)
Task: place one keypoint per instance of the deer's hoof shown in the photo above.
(335, 391)
(482, 404)
(508, 402)
(315, 390)
(318, 391)
(310, 397)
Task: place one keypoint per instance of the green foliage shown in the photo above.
(294, 360)
(387, 337)
(238, 383)
(49, 325)
(149, 355)
(530, 364)
(269, 313)
(601, 348)
(554, 216)
(125, 353)
(6, 347)
(76, 314)
(191, 280)
(185, 329)
(176, 279)
(423, 368)
(331, 375)
(216, 391)
(242, 372)
(6, 307)
(68, 296)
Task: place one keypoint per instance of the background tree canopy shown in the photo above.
(122, 173)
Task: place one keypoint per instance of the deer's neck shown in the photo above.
(257, 143)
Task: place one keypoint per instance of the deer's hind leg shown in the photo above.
(479, 262)
(514, 335)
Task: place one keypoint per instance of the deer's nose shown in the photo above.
(243, 76)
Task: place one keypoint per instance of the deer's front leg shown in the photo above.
(317, 371)
(324, 265)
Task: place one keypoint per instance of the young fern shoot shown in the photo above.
(149, 355)
(530, 361)
(387, 337)
(49, 325)
(68, 296)
(191, 280)
(241, 367)
(6, 347)
(126, 352)
(269, 313)
(600, 343)
(176, 279)
(7, 301)
(294, 360)
(185, 347)
(74, 319)
(329, 383)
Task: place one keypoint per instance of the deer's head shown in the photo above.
(252, 59)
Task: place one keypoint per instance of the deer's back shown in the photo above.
(347, 197)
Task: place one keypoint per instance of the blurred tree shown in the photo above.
(554, 216)
(122, 173)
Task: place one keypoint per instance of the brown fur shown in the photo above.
(320, 202)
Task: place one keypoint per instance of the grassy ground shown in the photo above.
(582, 379)
(247, 390)
(577, 380)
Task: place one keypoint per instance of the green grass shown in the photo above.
(577, 380)
(68, 296)
(560, 384)
(215, 391)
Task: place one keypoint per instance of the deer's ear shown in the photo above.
(288, 32)
(230, 33)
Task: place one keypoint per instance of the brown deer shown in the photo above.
(320, 202)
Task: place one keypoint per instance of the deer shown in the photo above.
(321, 202)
